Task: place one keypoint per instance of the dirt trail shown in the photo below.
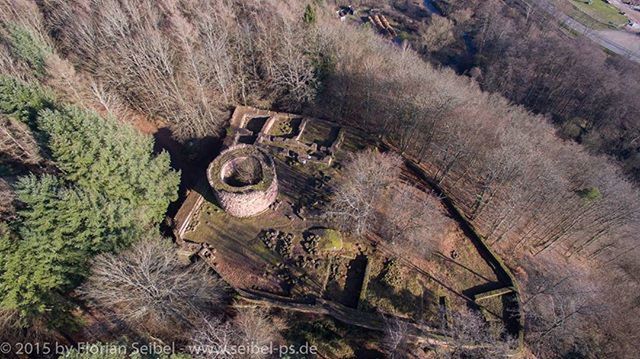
(419, 334)
(627, 39)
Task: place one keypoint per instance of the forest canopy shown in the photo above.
(80, 180)
(101, 189)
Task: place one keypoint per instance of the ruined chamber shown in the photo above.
(244, 181)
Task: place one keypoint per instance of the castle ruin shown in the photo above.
(244, 180)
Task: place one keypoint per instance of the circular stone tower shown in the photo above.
(243, 179)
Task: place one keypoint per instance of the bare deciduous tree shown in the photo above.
(561, 304)
(396, 341)
(439, 33)
(189, 61)
(246, 336)
(213, 339)
(412, 220)
(473, 337)
(147, 287)
(368, 174)
(17, 143)
(291, 75)
(255, 328)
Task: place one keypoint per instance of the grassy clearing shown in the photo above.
(243, 258)
(407, 294)
(331, 240)
(320, 132)
(597, 15)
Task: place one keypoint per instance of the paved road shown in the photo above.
(615, 47)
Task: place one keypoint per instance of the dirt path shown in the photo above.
(419, 334)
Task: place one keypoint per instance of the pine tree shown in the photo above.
(108, 191)
(110, 158)
(28, 47)
(7, 245)
(44, 260)
(23, 100)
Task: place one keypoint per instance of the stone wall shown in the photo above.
(247, 204)
(248, 200)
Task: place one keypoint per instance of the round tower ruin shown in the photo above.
(244, 181)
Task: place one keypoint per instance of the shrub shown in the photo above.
(391, 273)
(309, 16)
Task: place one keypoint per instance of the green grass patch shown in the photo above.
(407, 296)
(330, 240)
(285, 127)
(597, 14)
